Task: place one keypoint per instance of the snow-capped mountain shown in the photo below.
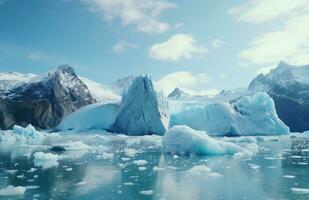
(289, 87)
(100, 92)
(43, 100)
(122, 85)
(9, 79)
(178, 93)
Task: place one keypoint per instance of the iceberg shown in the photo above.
(142, 110)
(45, 160)
(249, 115)
(185, 141)
(28, 135)
(12, 191)
(94, 116)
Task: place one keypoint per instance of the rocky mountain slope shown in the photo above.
(43, 100)
(289, 87)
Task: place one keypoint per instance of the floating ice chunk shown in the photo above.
(45, 160)
(300, 190)
(147, 192)
(11, 171)
(130, 152)
(289, 176)
(128, 183)
(32, 187)
(12, 191)
(254, 166)
(140, 162)
(201, 171)
(74, 146)
(107, 156)
(156, 169)
(31, 170)
(28, 135)
(142, 168)
(184, 140)
(69, 169)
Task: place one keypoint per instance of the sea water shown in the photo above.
(121, 167)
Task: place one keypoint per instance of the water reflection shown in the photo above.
(270, 174)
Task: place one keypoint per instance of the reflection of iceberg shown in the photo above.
(98, 176)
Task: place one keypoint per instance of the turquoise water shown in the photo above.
(278, 165)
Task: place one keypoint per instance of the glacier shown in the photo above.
(142, 111)
(249, 115)
(94, 116)
(185, 141)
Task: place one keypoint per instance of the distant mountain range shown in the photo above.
(45, 100)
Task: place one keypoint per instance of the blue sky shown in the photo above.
(199, 45)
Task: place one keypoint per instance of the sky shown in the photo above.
(202, 46)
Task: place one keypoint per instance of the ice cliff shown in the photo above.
(142, 111)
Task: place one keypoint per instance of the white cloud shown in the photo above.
(142, 14)
(123, 45)
(211, 92)
(288, 40)
(182, 79)
(176, 47)
(217, 43)
(257, 11)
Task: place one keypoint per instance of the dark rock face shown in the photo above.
(289, 87)
(44, 100)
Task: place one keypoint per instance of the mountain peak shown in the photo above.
(177, 92)
(65, 68)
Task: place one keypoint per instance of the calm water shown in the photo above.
(279, 165)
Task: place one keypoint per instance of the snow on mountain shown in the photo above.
(249, 115)
(142, 110)
(288, 85)
(283, 75)
(9, 79)
(178, 93)
(43, 100)
(121, 86)
(101, 92)
(94, 116)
